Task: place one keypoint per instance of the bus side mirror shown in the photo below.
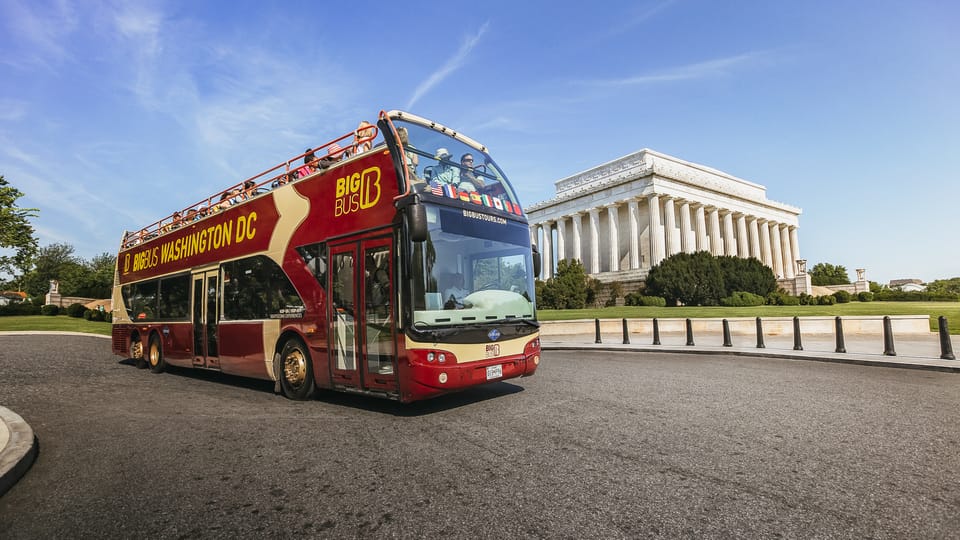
(417, 222)
(537, 263)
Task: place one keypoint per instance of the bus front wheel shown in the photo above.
(296, 371)
(155, 355)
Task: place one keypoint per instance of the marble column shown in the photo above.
(766, 257)
(633, 216)
(670, 227)
(729, 242)
(613, 224)
(716, 242)
(794, 244)
(743, 244)
(703, 244)
(776, 250)
(755, 239)
(594, 241)
(578, 236)
(561, 240)
(656, 233)
(788, 259)
(545, 250)
(687, 243)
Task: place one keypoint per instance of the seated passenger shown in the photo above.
(468, 178)
(310, 164)
(444, 172)
(413, 159)
(454, 294)
(363, 138)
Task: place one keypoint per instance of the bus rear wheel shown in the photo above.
(296, 371)
(155, 355)
(136, 352)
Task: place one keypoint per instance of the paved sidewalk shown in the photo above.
(913, 351)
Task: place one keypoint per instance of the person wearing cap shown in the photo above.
(444, 172)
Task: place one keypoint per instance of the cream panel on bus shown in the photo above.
(293, 209)
(271, 332)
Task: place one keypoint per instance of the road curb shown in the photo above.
(19, 448)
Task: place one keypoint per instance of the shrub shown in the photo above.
(694, 279)
(746, 275)
(781, 298)
(842, 297)
(637, 299)
(826, 300)
(50, 309)
(20, 308)
(742, 299)
(107, 317)
(865, 296)
(76, 310)
(805, 299)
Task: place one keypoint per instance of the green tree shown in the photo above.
(567, 289)
(828, 274)
(93, 279)
(692, 279)
(944, 286)
(746, 275)
(16, 232)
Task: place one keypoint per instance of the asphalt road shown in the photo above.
(618, 445)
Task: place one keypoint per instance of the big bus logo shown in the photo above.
(357, 191)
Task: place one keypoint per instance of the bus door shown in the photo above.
(205, 315)
(363, 349)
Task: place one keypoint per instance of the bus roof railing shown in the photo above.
(328, 153)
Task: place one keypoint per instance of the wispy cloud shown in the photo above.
(453, 64)
(641, 14)
(40, 29)
(700, 70)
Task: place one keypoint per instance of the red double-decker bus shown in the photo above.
(393, 261)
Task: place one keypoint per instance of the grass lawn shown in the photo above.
(58, 322)
(950, 310)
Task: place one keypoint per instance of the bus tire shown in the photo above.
(136, 352)
(296, 370)
(155, 355)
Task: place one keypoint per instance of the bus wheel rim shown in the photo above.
(154, 355)
(295, 368)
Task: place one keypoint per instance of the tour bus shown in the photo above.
(393, 261)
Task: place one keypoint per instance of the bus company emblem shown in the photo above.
(358, 191)
(493, 334)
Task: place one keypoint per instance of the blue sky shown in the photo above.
(112, 114)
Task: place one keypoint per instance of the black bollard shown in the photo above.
(888, 349)
(841, 348)
(946, 347)
(797, 345)
(689, 333)
(656, 331)
(597, 325)
(726, 334)
(760, 344)
(626, 334)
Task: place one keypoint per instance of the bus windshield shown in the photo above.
(436, 159)
(474, 268)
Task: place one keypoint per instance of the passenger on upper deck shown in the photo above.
(310, 164)
(468, 178)
(445, 172)
(364, 131)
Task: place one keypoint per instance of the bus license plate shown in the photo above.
(494, 372)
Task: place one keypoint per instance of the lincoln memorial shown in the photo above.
(621, 218)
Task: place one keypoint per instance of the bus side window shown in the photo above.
(315, 257)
